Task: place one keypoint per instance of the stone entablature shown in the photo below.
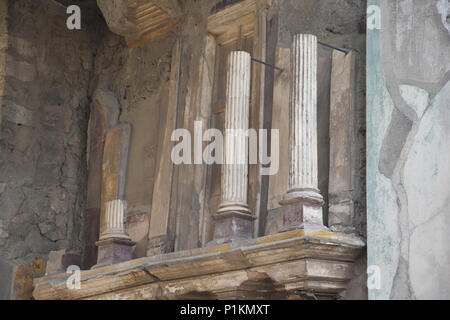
(295, 265)
(137, 21)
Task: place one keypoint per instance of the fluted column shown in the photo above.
(114, 224)
(235, 167)
(114, 245)
(233, 218)
(303, 191)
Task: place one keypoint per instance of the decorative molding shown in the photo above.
(234, 21)
(288, 265)
(138, 22)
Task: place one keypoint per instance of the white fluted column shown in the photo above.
(303, 201)
(235, 167)
(114, 224)
(233, 219)
(303, 163)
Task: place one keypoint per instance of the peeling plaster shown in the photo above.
(412, 167)
(417, 98)
(429, 201)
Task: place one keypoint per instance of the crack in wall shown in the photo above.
(402, 130)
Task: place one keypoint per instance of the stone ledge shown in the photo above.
(277, 266)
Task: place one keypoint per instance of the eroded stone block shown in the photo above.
(137, 227)
(54, 264)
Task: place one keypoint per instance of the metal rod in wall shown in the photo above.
(267, 64)
(333, 47)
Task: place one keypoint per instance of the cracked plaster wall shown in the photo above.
(408, 169)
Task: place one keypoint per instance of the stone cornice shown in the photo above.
(275, 266)
(138, 21)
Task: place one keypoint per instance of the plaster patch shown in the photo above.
(383, 238)
(416, 98)
(427, 167)
(429, 262)
(426, 182)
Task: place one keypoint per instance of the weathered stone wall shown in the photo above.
(44, 112)
(408, 151)
(3, 46)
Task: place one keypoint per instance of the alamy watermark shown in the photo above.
(73, 282)
(73, 22)
(225, 149)
(373, 17)
(373, 277)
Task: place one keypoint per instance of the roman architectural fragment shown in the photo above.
(341, 205)
(114, 226)
(115, 245)
(114, 168)
(103, 117)
(233, 218)
(303, 201)
(158, 241)
(235, 168)
(137, 22)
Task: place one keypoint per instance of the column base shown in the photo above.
(302, 215)
(114, 235)
(239, 207)
(230, 226)
(112, 251)
(312, 196)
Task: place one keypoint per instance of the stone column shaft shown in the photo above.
(303, 192)
(233, 219)
(303, 163)
(235, 167)
(115, 220)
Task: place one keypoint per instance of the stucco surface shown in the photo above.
(408, 153)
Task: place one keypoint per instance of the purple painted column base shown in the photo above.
(230, 226)
(112, 251)
(302, 215)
